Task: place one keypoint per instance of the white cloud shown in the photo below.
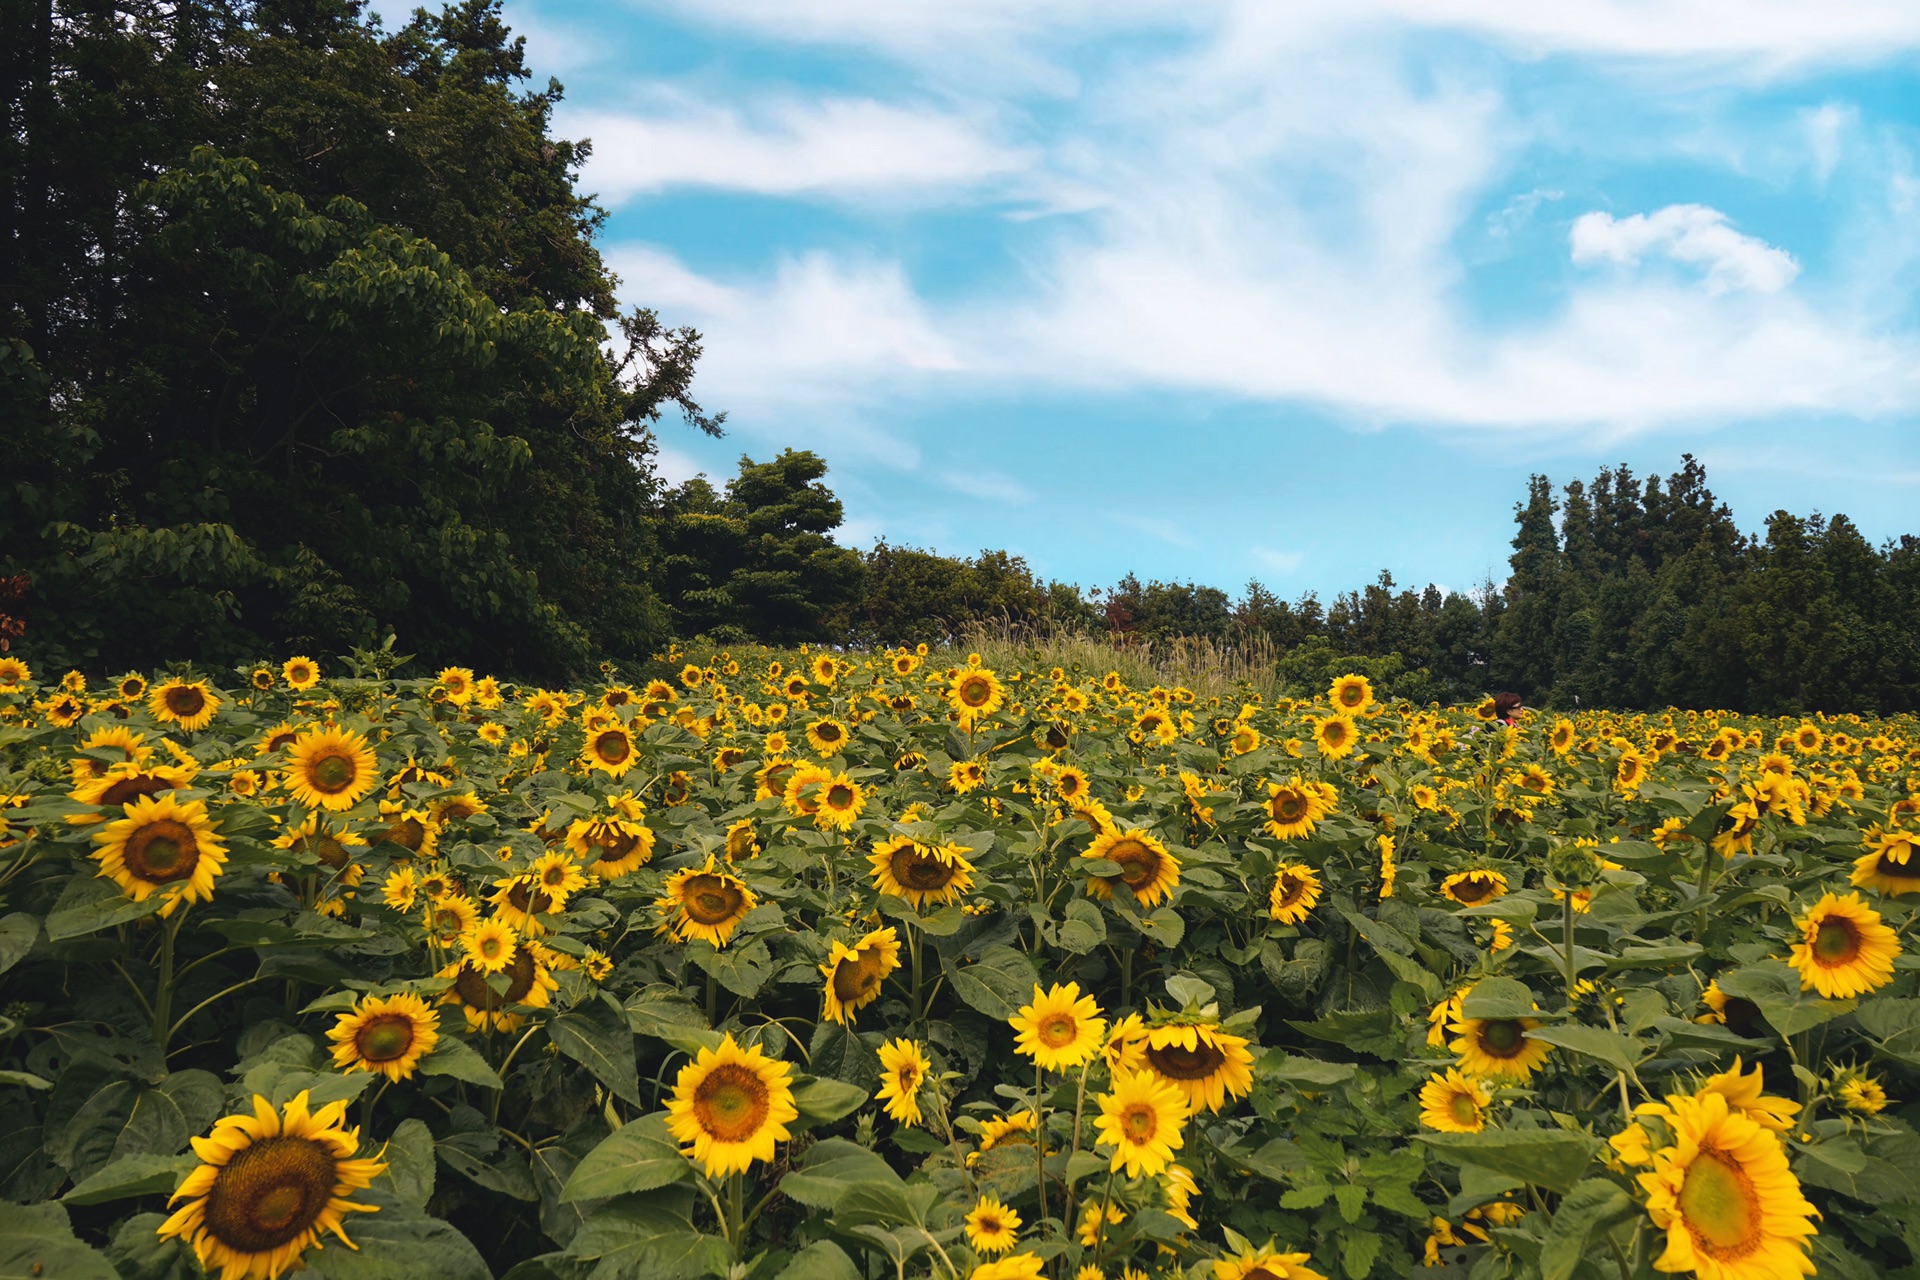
(986, 485)
(844, 147)
(1162, 528)
(1825, 127)
(1689, 233)
(1278, 561)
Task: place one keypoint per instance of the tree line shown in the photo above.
(305, 341)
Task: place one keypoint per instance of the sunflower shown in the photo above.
(316, 838)
(801, 788)
(1891, 863)
(1265, 1263)
(1351, 694)
(490, 945)
(700, 902)
(65, 710)
(1723, 1193)
(387, 1035)
(300, 673)
(530, 984)
(1145, 866)
(268, 1185)
(1126, 1047)
(825, 669)
(1296, 890)
(854, 974)
(1015, 1266)
(446, 918)
(164, 846)
(1141, 1118)
(1498, 1047)
(991, 1226)
(523, 904)
(329, 768)
(966, 776)
(742, 841)
(14, 673)
(458, 682)
(1747, 1095)
(1246, 740)
(618, 846)
(976, 695)
(729, 1106)
(1292, 810)
(1070, 782)
(1181, 1188)
(121, 783)
(1335, 737)
(401, 889)
(132, 686)
(1844, 949)
(610, 750)
(187, 703)
(827, 736)
(1454, 1103)
(1096, 1216)
(838, 803)
(1205, 1063)
(920, 873)
(1863, 1095)
(1471, 888)
(1060, 1030)
(558, 876)
(1020, 1128)
(903, 1069)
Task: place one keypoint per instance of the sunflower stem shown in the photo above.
(1106, 1200)
(1706, 882)
(184, 1018)
(913, 942)
(1567, 912)
(713, 1002)
(736, 1196)
(163, 994)
(1040, 1140)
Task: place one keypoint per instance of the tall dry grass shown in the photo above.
(1207, 667)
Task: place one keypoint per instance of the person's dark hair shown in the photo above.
(1504, 705)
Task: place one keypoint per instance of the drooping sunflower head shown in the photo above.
(1453, 1103)
(1206, 1064)
(163, 846)
(701, 902)
(854, 974)
(730, 1106)
(330, 768)
(903, 1070)
(190, 704)
(1498, 1047)
(1061, 1029)
(1891, 863)
(920, 873)
(268, 1186)
(387, 1035)
(1296, 891)
(1266, 1263)
(1471, 888)
(1146, 867)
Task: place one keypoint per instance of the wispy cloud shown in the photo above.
(1278, 561)
(1159, 527)
(847, 148)
(1689, 233)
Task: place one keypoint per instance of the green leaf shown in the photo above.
(824, 1101)
(454, 1057)
(477, 1155)
(1083, 929)
(741, 970)
(641, 1237)
(1591, 1209)
(636, 1157)
(399, 1243)
(410, 1164)
(1308, 1073)
(89, 904)
(821, 1260)
(843, 1054)
(141, 1175)
(1499, 998)
(673, 1020)
(138, 1253)
(18, 933)
(1774, 987)
(599, 1038)
(1549, 1158)
(1358, 1250)
(1618, 1051)
(998, 985)
(831, 1167)
(37, 1243)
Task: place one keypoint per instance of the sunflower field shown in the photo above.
(825, 966)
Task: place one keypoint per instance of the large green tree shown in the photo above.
(303, 329)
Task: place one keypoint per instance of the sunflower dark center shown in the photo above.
(385, 1038)
(141, 784)
(161, 852)
(331, 773)
(185, 701)
(525, 897)
(975, 693)
(269, 1193)
(1836, 941)
(1473, 889)
(839, 796)
(857, 978)
(1176, 1062)
(1140, 1123)
(1502, 1037)
(710, 900)
(474, 992)
(1137, 862)
(731, 1102)
(1288, 806)
(1463, 1109)
(1292, 888)
(1057, 1030)
(917, 870)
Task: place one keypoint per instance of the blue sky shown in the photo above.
(1296, 291)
